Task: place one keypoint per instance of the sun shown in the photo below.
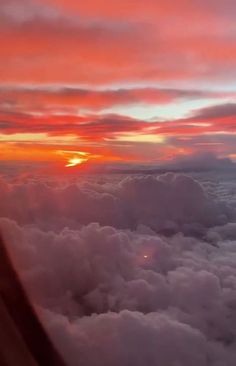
(75, 161)
(75, 158)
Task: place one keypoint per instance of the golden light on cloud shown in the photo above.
(131, 137)
(38, 138)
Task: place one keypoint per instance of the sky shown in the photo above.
(108, 260)
(136, 81)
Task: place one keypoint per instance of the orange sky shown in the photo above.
(136, 81)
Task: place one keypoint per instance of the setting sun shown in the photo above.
(75, 161)
(74, 158)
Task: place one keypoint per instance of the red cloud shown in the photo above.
(85, 45)
(39, 99)
(115, 42)
(110, 126)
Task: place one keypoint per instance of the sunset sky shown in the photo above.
(137, 81)
(118, 179)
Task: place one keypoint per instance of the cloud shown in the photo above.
(201, 162)
(22, 112)
(124, 270)
(99, 289)
(161, 340)
(42, 18)
(170, 202)
(39, 98)
(115, 9)
(61, 63)
(49, 30)
(111, 126)
(216, 112)
(98, 45)
(136, 269)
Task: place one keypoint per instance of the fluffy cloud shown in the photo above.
(169, 202)
(116, 292)
(105, 289)
(163, 341)
(201, 162)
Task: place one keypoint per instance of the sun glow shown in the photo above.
(75, 161)
(74, 158)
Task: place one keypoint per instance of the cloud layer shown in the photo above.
(87, 34)
(169, 202)
(101, 74)
(129, 270)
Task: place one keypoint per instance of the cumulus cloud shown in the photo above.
(205, 161)
(107, 289)
(109, 284)
(169, 202)
(162, 340)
